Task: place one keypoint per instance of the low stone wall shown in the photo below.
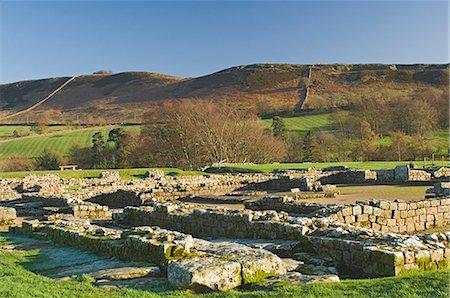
(350, 177)
(190, 263)
(285, 203)
(209, 223)
(7, 215)
(356, 258)
(70, 205)
(398, 217)
(119, 199)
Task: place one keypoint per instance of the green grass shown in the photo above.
(322, 122)
(33, 146)
(267, 168)
(17, 281)
(305, 123)
(6, 131)
(124, 173)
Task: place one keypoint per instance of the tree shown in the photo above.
(194, 133)
(48, 160)
(279, 127)
(400, 145)
(98, 148)
(312, 150)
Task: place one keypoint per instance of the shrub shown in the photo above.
(49, 160)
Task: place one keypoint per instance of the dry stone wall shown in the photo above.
(398, 217)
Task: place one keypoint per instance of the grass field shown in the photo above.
(17, 281)
(322, 122)
(6, 131)
(266, 168)
(303, 124)
(60, 141)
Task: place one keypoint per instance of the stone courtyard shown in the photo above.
(180, 231)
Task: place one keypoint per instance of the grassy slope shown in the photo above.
(302, 124)
(6, 131)
(16, 281)
(322, 122)
(60, 141)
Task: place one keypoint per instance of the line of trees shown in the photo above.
(192, 134)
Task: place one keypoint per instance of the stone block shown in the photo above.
(384, 205)
(402, 206)
(368, 209)
(376, 211)
(357, 210)
(391, 222)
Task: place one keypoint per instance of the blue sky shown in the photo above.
(193, 38)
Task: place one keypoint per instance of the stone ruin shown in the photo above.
(273, 237)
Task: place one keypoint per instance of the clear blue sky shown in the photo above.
(187, 38)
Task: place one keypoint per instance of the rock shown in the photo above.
(204, 274)
(256, 263)
(297, 279)
(291, 264)
(126, 273)
(143, 283)
(7, 215)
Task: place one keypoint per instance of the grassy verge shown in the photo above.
(16, 281)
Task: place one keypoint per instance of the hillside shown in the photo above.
(269, 88)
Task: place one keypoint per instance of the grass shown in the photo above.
(230, 168)
(124, 173)
(305, 123)
(6, 131)
(267, 168)
(60, 141)
(322, 122)
(17, 281)
(239, 168)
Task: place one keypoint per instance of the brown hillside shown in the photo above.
(269, 88)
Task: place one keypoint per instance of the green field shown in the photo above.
(60, 141)
(6, 131)
(323, 122)
(267, 168)
(18, 280)
(305, 123)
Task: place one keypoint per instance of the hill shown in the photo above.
(268, 88)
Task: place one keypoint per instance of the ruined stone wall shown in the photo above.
(398, 217)
(356, 258)
(350, 177)
(207, 223)
(119, 199)
(285, 203)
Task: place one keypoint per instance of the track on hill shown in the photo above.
(42, 100)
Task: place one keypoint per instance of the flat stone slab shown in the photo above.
(298, 279)
(155, 284)
(126, 273)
